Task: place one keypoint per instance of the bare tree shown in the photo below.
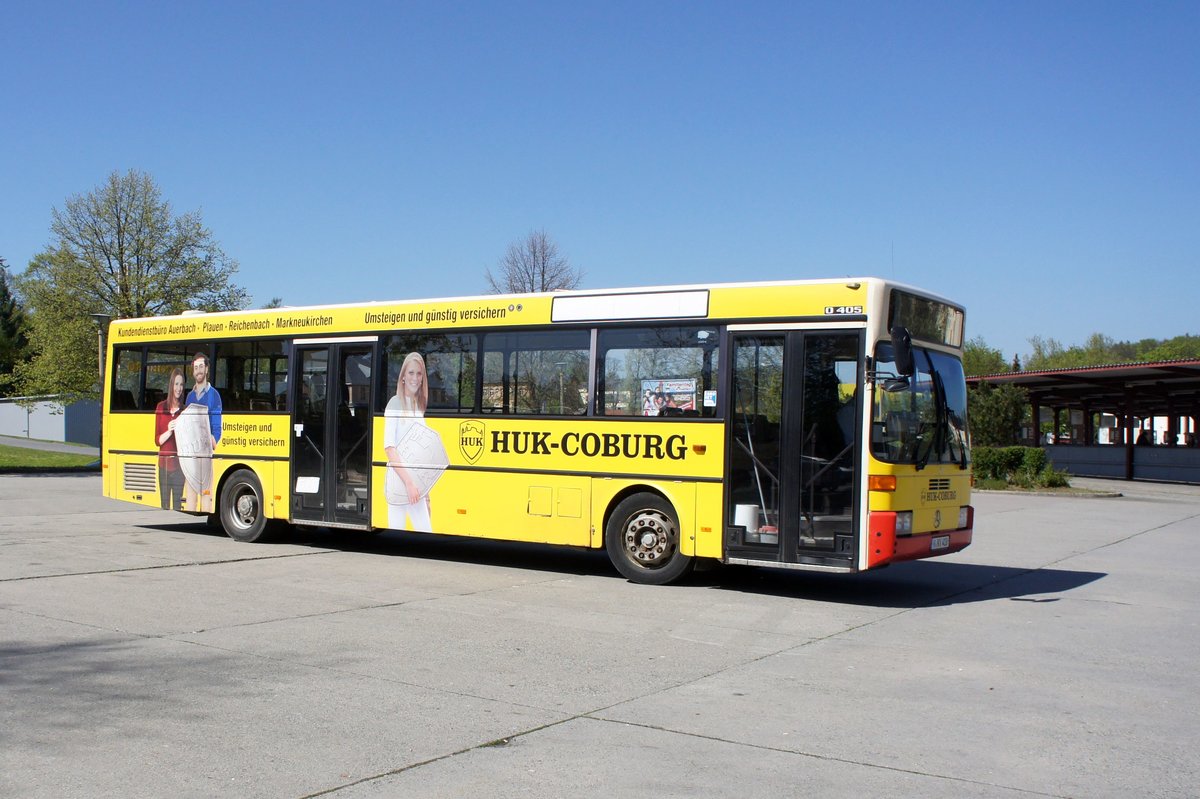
(534, 264)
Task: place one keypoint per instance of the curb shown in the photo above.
(90, 468)
(1024, 493)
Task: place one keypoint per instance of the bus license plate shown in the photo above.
(939, 542)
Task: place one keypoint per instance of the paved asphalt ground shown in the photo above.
(142, 655)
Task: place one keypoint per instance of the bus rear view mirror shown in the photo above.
(902, 346)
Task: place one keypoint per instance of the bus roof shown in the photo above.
(803, 299)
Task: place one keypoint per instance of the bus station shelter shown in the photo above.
(1133, 421)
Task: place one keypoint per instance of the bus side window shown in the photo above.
(656, 371)
(536, 373)
(450, 369)
(127, 379)
(251, 375)
(122, 400)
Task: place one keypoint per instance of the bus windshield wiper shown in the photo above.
(941, 414)
(939, 387)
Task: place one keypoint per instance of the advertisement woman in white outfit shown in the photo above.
(405, 409)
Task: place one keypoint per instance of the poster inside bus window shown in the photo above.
(668, 397)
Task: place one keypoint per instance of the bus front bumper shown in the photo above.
(884, 546)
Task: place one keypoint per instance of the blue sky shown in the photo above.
(1037, 161)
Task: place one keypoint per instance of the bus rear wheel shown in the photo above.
(642, 539)
(242, 514)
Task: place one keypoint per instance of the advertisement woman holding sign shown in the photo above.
(170, 476)
(415, 455)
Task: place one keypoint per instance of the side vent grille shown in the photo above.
(140, 477)
(939, 484)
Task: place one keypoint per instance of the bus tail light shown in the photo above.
(904, 523)
(964, 517)
(881, 482)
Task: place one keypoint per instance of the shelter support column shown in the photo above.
(1130, 436)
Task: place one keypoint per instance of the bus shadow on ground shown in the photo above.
(926, 583)
(461, 549)
(929, 583)
(427, 546)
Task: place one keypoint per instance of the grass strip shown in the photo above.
(20, 459)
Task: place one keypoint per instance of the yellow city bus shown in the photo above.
(813, 425)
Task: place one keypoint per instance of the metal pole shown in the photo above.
(101, 320)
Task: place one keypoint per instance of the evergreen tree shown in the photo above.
(996, 414)
(14, 341)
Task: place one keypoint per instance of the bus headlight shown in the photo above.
(964, 516)
(904, 523)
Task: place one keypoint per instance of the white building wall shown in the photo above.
(78, 423)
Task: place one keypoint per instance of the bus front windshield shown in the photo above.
(923, 419)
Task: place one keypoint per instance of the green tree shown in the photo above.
(1171, 349)
(1049, 353)
(121, 251)
(1100, 349)
(996, 413)
(980, 359)
(533, 264)
(14, 339)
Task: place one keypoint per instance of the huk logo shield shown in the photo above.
(470, 440)
(937, 519)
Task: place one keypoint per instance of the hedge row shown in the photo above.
(1016, 465)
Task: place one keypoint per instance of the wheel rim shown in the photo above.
(649, 539)
(245, 508)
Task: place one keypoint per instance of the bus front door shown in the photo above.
(792, 495)
(331, 425)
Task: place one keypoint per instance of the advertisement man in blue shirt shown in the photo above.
(204, 394)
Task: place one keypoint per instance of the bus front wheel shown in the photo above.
(642, 539)
(242, 514)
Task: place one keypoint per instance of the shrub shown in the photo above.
(1052, 478)
(1033, 460)
(997, 463)
(985, 461)
(990, 484)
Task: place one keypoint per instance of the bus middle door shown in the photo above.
(331, 423)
